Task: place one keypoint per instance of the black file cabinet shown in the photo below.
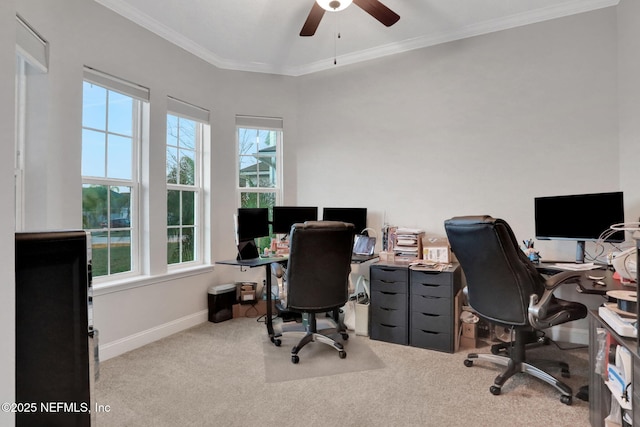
(389, 303)
(433, 308)
(415, 307)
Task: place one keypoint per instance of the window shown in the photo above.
(186, 127)
(111, 135)
(259, 144)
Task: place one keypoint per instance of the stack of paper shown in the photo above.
(408, 243)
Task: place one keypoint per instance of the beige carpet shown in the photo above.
(215, 375)
(316, 359)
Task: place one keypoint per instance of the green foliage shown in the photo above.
(120, 260)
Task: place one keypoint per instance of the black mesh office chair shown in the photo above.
(504, 287)
(317, 278)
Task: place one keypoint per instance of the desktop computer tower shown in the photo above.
(54, 331)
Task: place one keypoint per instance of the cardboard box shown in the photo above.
(466, 342)
(387, 256)
(470, 330)
(436, 249)
(256, 309)
(247, 296)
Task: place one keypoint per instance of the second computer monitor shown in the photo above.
(253, 223)
(356, 216)
(285, 216)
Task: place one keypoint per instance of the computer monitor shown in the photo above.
(356, 216)
(580, 217)
(253, 223)
(285, 216)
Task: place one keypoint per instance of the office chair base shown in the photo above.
(311, 337)
(311, 332)
(513, 368)
(532, 339)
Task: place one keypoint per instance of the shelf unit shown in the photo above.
(599, 392)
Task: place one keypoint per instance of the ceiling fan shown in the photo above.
(373, 7)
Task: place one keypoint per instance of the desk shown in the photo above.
(258, 262)
(586, 285)
(266, 262)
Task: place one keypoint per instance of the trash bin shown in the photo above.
(221, 300)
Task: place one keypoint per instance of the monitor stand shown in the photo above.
(580, 252)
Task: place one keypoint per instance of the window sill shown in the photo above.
(140, 281)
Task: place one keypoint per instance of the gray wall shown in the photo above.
(7, 278)
(629, 104)
(477, 126)
(481, 125)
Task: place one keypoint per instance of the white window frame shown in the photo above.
(140, 96)
(200, 116)
(261, 123)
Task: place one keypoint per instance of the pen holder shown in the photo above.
(533, 256)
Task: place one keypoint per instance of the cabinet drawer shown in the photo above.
(389, 316)
(433, 277)
(433, 340)
(389, 274)
(389, 300)
(430, 289)
(431, 322)
(389, 333)
(389, 286)
(431, 304)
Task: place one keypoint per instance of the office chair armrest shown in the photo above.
(562, 278)
(538, 306)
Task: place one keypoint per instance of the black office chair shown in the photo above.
(317, 279)
(505, 288)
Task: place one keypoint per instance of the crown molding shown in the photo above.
(544, 14)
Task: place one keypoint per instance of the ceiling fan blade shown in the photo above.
(379, 11)
(313, 20)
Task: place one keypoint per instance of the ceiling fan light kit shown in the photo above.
(334, 5)
(373, 7)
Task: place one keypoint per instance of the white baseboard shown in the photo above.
(123, 345)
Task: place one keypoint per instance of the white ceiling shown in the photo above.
(263, 35)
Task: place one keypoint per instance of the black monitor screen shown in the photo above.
(356, 216)
(285, 216)
(581, 217)
(253, 223)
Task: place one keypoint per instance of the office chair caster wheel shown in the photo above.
(468, 363)
(277, 342)
(295, 359)
(567, 400)
(495, 390)
(342, 354)
(544, 340)
(345, 336)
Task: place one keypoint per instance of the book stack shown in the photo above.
(407, 243)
